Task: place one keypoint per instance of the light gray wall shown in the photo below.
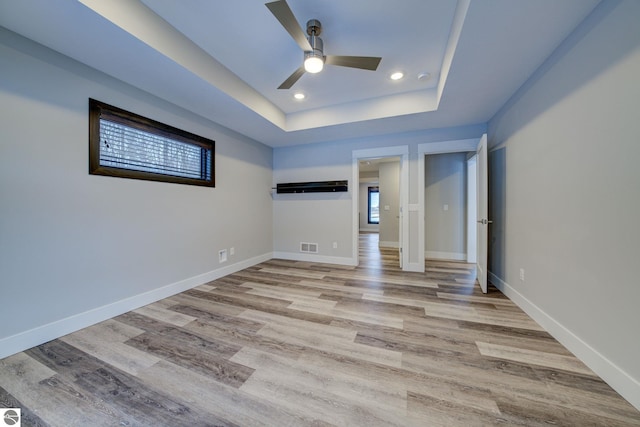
(389, 173)
(311, 217)
(71, 242)
(364, 207)
(325, 219)
(445, 184)
(565, 193)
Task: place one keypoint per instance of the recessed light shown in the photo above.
(299, 95)
(396, 76)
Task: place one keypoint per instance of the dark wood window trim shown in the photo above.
(99, 110)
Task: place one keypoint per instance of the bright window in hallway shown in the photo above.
(374, 206)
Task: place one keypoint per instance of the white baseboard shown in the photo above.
(394, 245)
(295, 256)
(627, 386)
(445, 255)
(41, 334)
(414, 266)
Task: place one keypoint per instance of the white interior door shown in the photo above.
(482, 193)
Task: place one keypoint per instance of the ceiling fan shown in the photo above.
(314, 58)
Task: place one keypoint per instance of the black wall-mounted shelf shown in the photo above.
(312, 187)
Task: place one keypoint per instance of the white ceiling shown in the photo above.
(224, 60)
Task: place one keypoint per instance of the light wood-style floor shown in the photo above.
(289, 343)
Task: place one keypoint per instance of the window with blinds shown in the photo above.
(126, 145)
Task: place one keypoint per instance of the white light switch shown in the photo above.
(445, 207)
(387, 207)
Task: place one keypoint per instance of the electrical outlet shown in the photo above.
(232, 251)
(522, 274)
(335, 245)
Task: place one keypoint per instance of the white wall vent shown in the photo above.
(309, 247)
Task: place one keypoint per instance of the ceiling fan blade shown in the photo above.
(292, 79)
(283, 13)
(362, 62)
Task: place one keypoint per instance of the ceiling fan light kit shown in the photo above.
(312, 46)
(313, 63)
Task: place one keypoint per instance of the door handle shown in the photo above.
(485, 221)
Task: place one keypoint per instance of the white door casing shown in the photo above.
(429, 148)
(472, 211)
(403, 152)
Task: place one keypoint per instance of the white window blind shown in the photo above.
(129, 148)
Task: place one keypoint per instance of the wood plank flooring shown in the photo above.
(288, 343)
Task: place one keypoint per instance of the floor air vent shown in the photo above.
(309, 247)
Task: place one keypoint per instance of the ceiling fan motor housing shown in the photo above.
(314, 28)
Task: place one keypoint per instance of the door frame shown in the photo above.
(440, 147)
(472, 209)
(401, 151)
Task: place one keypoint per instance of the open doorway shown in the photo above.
(380, 197)
(433, 148)
(369, 196)
(450, 206)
